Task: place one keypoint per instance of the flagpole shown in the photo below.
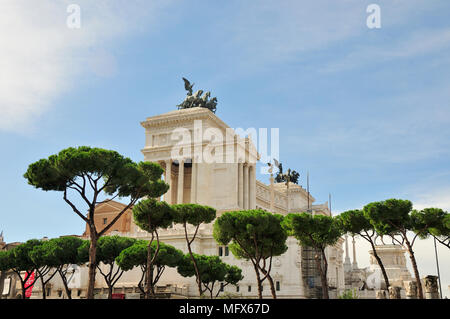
(307, 187)
(329, 201)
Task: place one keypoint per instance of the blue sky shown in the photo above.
(365, 111)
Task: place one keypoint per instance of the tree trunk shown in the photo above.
(43, 287)
(197, 273)
(110, 291)
(149, 271)
(140, 286)
(23, 291)
(92, 263)
(272, 287)
(258, 280)
(24, 281)
(66, 287)
(380, 263)
(211, 290)
(323, 274)
(416, 270)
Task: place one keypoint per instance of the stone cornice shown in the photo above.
(183, 116)
(167, 122)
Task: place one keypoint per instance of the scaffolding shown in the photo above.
(310, 273)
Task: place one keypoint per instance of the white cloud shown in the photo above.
(41, 57)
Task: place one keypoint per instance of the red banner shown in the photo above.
(118, 296)
(29, 283)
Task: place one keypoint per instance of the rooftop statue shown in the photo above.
(290, 176)
(197, 99)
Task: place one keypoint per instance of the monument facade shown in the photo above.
(208, 163)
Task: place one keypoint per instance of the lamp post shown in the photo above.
(437, 266)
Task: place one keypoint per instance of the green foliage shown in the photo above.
(150, 214)
(133, 256)
(193, 214)
(89, 172)
(56, 252)
(120, 174)
(136, 255)
(5, 260)
(442, 229)
(389, 216)
(353, 222)
(20, 258)
(108, 248)
(253, 233)
(349, 294)
(317, 231)
(430, 221)
(212, 269)
(230, 295)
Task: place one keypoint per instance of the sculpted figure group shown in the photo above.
(197, 99)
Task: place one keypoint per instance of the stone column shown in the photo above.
(431, 287)
(180, 182)
(252, 187)
(347, 262)
(355, 264)
(380, 294)
(394, 292)
(410, 289)
(194, 182)
(246, 188)
(168, 180)
(241, 185)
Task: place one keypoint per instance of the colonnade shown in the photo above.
(180, 182)
(246, 197)
(246, 186)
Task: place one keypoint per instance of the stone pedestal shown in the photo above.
(431, 287)
(394, 261)
(410, 289)
(394, 292)
(380, 294)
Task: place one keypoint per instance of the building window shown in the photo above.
(59, 293)
(221, 286)
(278, 285)
(220, 251)
(79, 293)
(49, 291)
(249, 288)
(237, 288)
(227, 252)
(105, 220)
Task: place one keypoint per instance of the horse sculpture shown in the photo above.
(197, 99)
